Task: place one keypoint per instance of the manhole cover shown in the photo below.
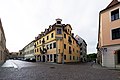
(52, 67)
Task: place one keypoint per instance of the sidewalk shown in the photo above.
(98, 66)
(1, 64)
(10, 64)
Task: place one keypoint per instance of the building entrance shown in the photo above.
(55, 58)
(43, 58)
(118, 57)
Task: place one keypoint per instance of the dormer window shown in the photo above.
(68, 30)
(58, 22)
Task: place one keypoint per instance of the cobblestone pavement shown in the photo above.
(52, 71)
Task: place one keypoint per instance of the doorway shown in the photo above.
(118, 57)
(55, 58)
(43, 58)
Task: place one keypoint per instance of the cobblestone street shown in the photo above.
(52, 71)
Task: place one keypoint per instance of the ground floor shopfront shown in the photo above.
(110, 56)
(57, 58)
(46, 58)
(3, 57)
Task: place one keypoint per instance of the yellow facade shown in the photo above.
(59, 45)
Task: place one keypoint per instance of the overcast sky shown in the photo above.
(23, 20)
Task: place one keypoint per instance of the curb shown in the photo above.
(1, 63)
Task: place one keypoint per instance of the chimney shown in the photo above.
(45, 29)
(49, 26)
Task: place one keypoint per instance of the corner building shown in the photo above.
(57, 44)
(3, 49)
(109, 35)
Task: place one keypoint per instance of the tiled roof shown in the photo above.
(114, 2)
(1, 27)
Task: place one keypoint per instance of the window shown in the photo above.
(43, 41)
(70, 57)
(70, 50)
(77, 45)
(58, 22)
(80, 53)
(59, 31)
(115, 15)
(69, 40)
(50, 46)
(54, 45)
(64, 35)
(68, 30)
(47, 37)
(52, 35)
(35, 45)
(64, 46)
(47, 46)
(37, 42)
(77, 51)
(80, 48)
(116, 33)
(40, 41)
(64, 57)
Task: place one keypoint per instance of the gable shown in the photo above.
(114, 2)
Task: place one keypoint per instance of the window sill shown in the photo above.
(115, 20)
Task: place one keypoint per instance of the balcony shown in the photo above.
(43, 51)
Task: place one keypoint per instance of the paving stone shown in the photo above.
(49, 71)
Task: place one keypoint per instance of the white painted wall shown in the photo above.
(108, 58)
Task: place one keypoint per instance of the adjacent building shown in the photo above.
(83, 48)
(28, 51)
(109, 35)
(57, 44)
(13, 55)
(3, 49)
